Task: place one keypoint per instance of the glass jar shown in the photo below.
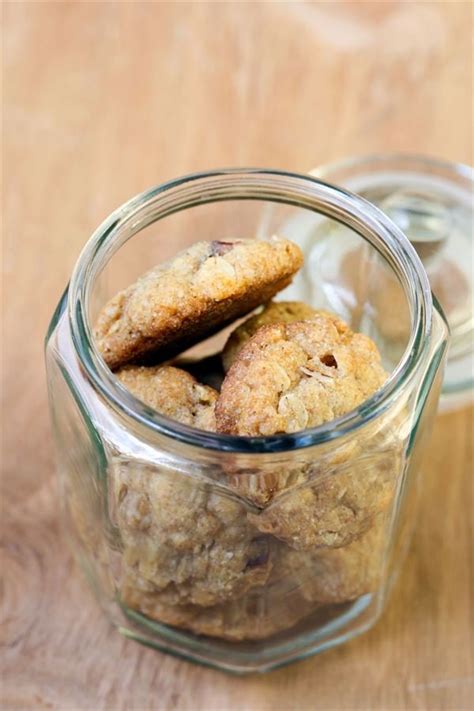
(184, 546)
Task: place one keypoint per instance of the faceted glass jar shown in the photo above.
(242, 553)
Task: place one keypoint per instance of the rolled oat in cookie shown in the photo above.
(273, 312)
(192, 296)
(339, 499)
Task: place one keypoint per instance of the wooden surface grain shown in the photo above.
(102, 100)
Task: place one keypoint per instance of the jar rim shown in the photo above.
(259, 184)
(410, 161)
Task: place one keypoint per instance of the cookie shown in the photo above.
(273, 312)
(172, 392)
(301, 583)
(192, 543)
(290, 377)
(192, 296)
(332, 576)
(339, 501)
(263, 612)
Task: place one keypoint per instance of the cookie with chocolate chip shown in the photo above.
(192, 296)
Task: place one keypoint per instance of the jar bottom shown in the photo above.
(328, 627)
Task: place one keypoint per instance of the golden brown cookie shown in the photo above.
(338, 502)
(192, 544)
(330, 576)
(261, 613)
(290, 377)
(273, 312)
(172, 392)
(301, 583)
(192, 296)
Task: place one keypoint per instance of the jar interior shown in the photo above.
(343, 272)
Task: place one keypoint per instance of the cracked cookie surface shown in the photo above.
(192, 296)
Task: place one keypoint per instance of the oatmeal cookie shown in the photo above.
(192, 544)
(273, 312)
(192, 296)
(338, 502)
(293, 376)
(301, 584)
(331, 576)
(261, 613)
(172, 392)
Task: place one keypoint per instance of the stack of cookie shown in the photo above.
(267, 544)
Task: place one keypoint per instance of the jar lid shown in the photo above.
(432, 203)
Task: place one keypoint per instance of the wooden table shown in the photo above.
(103, 100)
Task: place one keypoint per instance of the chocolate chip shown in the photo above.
(261, 558)
(329, 360)
(220, 248)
